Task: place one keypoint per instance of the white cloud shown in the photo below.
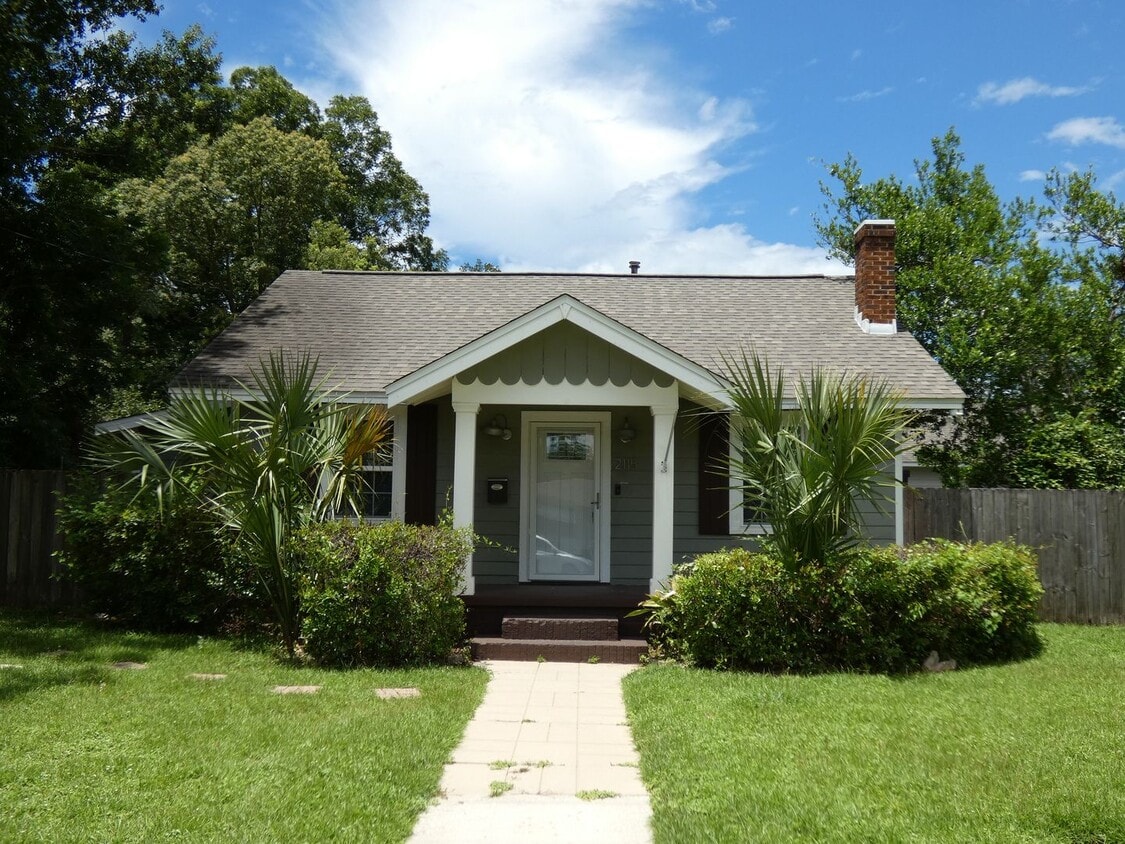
(721, 249)
(1018, 89)
(863, 96)
(1089, 130)
(1032, 176)
(1114, 180)
(717, 25)
(545, 137)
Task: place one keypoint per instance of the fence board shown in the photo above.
(1078, 535)
(29, 574)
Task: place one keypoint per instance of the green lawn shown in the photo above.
(1030, 752)
(90, 753)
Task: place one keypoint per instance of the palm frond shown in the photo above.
(809, 467)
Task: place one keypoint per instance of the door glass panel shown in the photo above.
(565, 493)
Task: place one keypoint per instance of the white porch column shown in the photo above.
(398, 463)
(464, 482)
(663, 492)
(900, 503)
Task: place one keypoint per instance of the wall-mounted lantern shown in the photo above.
(498, 427)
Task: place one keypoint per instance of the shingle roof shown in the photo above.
(370, 329)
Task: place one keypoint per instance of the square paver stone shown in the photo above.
(296, 690)
(391, 694)
(126, 665)
(207, 676)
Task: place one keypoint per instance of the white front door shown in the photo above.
(565, 496)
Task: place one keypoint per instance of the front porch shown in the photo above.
(557, 442)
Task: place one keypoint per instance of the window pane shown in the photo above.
(377, 495)
(752, 512)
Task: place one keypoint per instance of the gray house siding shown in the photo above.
(497, 562)
(880, 520)
(630, 507)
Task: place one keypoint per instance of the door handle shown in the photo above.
(597, 502)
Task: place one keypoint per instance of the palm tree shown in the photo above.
(807, 468)
(284, 457)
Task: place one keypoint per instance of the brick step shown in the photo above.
(563, 629)
(627, 651)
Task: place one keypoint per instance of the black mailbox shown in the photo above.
(497, 490)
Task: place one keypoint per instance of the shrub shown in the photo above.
(158, 570)
(869, 609)
(977, 603)
(380, 594)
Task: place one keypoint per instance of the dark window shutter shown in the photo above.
(421, 464)
(714, 484)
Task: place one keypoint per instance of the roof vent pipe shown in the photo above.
(634, 267)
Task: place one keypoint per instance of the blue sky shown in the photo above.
(688, 134)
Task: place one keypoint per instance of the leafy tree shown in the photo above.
(986, 298)
(263, 92)
(68, 287)
(141, 106)
(67, 266)
(265, 466)
(1072, 452)
(479, 266)
(40, 55)
(808, 469)
(130, 225)
(330, 248)
(383, 201)
(236, 213)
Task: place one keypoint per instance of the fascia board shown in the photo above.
(239, 394)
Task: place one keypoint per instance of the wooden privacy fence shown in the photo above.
(1079, 536)
(28, 500)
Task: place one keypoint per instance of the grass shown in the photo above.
(1028, 752)
(95, 754)
(496, 788)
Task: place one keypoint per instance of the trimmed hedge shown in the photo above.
(871, 609)
(382, 594)
(160, 570)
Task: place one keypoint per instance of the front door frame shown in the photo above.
(602, 424)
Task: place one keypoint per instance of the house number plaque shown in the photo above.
(624, 464)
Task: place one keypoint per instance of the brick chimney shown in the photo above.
(875, 277)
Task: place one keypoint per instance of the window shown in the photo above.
(746, 516)
(376, 496)
(753, 518)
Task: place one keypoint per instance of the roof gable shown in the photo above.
(423, 382)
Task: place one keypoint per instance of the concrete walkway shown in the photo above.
(545, 733)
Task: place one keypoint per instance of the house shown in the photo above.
(569, 417)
